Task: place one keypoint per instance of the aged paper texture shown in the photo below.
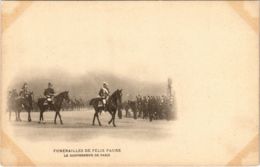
(129, 83)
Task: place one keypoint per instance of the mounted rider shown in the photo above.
(104, 94)
(49, 94)
(25, 92)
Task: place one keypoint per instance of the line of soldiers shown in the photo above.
(152, 107)
(75, 104)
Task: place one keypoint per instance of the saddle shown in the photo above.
(48, 101)
(100, 103)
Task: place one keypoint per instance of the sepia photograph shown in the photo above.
(129, 83)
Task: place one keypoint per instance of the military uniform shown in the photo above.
(104, 94)
(25, 93)
(49, 93)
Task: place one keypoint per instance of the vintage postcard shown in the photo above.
(129, 83)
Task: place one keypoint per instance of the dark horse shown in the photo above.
(18, 104)
(56, 106)
(113, 104)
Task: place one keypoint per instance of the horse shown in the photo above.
(113, 104)
(55, 107)
(26, 104)
(17, 104)
(11, 103)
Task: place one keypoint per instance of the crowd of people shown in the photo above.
(150, 107)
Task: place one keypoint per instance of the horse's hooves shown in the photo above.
(100, 125)
(93, 124)
(61, 123)
(114, 125)
(109, 122)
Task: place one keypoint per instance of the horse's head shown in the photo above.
(65, 95)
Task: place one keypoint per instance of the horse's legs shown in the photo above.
(109, 122)
(95, 114)
(60, 117)
(119, 113)
(16, 115)
(135, 114)
(29, 115)
(19, 118)
(40, 117)
(56, 113)
(98, 120)
(114, 115)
